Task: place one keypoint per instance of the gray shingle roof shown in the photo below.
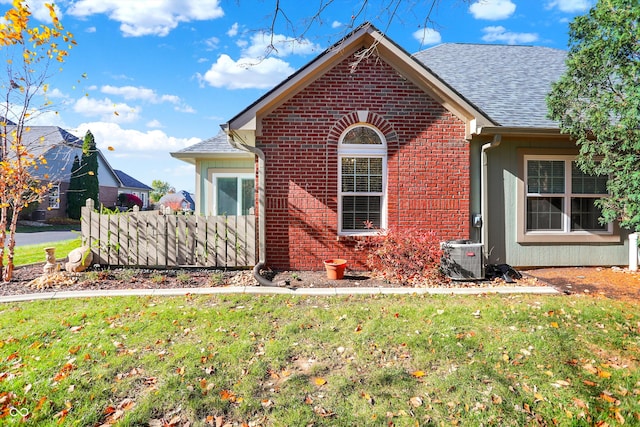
(508, 83)
(216, 144)
(129, 181)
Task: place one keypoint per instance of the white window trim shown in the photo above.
(214, 188)
(363, 151)
(567, 195)
(56, 200)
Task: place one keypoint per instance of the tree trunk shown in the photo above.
(3, 238)
(8, 271)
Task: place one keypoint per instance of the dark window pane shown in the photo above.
(544, 213)
(375, 184)
(362, 166)
(582, 183)
(358, 210)
(545, 176)
(248, 197)
(585, 215)
(227, 196)
(348, 183)
(375, 166)
(348, 164)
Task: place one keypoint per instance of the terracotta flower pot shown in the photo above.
(335, 268)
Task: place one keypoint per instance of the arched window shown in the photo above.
(362, 180)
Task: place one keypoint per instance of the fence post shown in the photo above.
(87, 218)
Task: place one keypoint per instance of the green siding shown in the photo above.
(501, 219)
(220, 164)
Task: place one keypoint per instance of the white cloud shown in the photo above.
(127, 142)
(259, 65)
(246, 73)
(140, 18)
(569, 6)
(427, 36)
(233, 31)
(264, 44)
(143, 155)
(154, 124)
(500, 34)
(212, 43)
(492, 10)
(336, 24)
(106, 110)
(139, 93)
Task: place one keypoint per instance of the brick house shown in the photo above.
(369, 135)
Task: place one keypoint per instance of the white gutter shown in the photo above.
(262, 209)
(484, 235)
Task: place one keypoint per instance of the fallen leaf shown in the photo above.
(579, 403)
(554, 325)
(619, 417)
(40, 403)
(416, 401)
(607, 397)
(228, 395)
(319, 381)
(604, 374)
(418, 374)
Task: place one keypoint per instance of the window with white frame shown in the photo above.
(233, 194)
(54, 197)
(362, 180)
(560, 198)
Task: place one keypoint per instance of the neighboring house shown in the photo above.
(131, 185)
(453, 139)
(59, 147)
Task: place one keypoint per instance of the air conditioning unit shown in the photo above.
(462, 260)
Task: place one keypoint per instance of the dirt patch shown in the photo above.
(614, 282)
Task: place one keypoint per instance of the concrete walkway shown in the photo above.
(263, 290)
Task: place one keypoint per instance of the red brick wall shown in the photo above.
(428, 163)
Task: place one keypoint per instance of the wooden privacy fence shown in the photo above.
(154, 239)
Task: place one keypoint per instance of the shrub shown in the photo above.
(409, 256)
(129, 200)
(62, 221)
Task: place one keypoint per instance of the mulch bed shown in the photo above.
(612, 282)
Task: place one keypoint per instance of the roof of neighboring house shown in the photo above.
(218, 144)
(59, 147)
(130, 182)
(508, 83)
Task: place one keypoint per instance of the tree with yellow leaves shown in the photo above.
(29, 51)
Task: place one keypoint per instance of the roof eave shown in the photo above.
(193, 157)
(519, 131)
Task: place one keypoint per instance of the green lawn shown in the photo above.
(30, 254)
(341, 361)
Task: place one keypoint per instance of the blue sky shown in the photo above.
(174, 70)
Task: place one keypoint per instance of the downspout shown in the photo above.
(484, 236)
(262, 209)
